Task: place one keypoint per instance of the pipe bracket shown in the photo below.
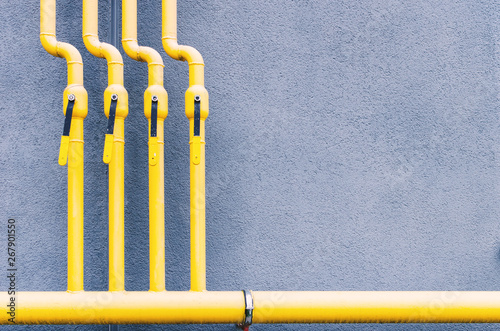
(248, 310)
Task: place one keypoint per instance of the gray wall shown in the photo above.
(351, 145)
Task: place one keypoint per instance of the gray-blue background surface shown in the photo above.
(351, 145)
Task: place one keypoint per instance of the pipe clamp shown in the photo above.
(248, 310)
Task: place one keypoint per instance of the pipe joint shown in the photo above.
(122, 104)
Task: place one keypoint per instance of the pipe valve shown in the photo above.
(153, 138)
(108, 141)
(64, 147)
(196, 131)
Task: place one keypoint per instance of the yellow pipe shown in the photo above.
(131, 47)
(75, 205)
(57, 48)
(72, 145)
(156, 144)
(176, 51)
(197, 143)
(114, 144)
(270, 307)
(124, 307)
(100, 49)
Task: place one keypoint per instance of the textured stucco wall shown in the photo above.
(351, 145)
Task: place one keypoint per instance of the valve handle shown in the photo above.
(196, 131)
(153, 138)
(64, 147)
(108, 141)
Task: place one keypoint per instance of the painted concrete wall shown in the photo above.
(351, 145)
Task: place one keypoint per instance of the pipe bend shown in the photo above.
(111, 53)
(49, 43)
(60, 49)
(102, 50)
(131, 48)
(150, 55)
(181, 52)
(93, 44)
(141, 53)
(69, 52)
(66, 51)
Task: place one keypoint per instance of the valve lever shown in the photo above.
(64, 147)
(108, 141)
(153, 138)
(196, 131)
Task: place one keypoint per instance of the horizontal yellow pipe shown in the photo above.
(124, 307)
(270, 307)
(376, 307)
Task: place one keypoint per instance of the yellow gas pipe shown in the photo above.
(198, 306)
(71, 150)
(154, 96)
(116, 103)
(196, 100)
(269, 307)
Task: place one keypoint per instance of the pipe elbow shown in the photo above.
(92, 44)
(69, 52)
(150, 56)
(49, 43)
(191, 55)
(172, 48)
(131, 48)
(182, 53)
(111, 53)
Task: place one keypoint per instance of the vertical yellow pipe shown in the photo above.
(197, 144)
(156, 144)
(116, 211)
(116, 162)
(157, 217)
(74, 152)
(75, 206)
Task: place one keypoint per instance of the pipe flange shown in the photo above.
(248, 310)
